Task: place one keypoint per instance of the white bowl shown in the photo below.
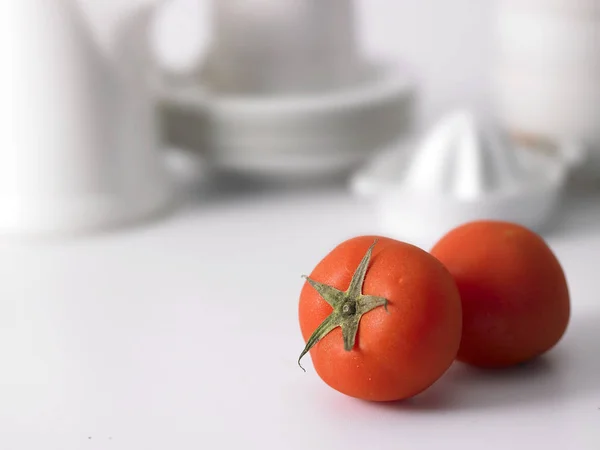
(293, 136)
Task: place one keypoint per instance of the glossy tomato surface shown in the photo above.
(399, 353)
(514, 292)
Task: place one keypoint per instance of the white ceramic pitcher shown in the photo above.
(78, 135)
(547, 71)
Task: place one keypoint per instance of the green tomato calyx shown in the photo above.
(348, 307)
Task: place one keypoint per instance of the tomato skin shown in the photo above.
(514, 292)
(399, 353)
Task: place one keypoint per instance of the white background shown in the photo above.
(182, 334)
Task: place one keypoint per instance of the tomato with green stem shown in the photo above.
(381, 319)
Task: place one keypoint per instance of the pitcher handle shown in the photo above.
(180, 128)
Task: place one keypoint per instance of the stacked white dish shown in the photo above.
(284, 93)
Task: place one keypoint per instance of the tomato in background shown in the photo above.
(515, 298)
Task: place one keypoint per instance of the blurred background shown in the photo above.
(481, 109)
(447, 46)
(169, 169)
(309, 93)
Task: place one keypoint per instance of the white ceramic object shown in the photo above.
(463, 170)
(292, 137)
(284, 93)
(272, 47)
(78, 136)
(547, 70)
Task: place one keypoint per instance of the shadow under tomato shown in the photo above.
(539, 380)
(570, 371)
(436, 398)
(465, 387)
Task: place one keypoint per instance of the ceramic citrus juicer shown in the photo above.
(464, 168)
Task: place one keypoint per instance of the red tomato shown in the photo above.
(514, 292)
(382, 321)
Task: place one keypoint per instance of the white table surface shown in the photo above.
(183, 334)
